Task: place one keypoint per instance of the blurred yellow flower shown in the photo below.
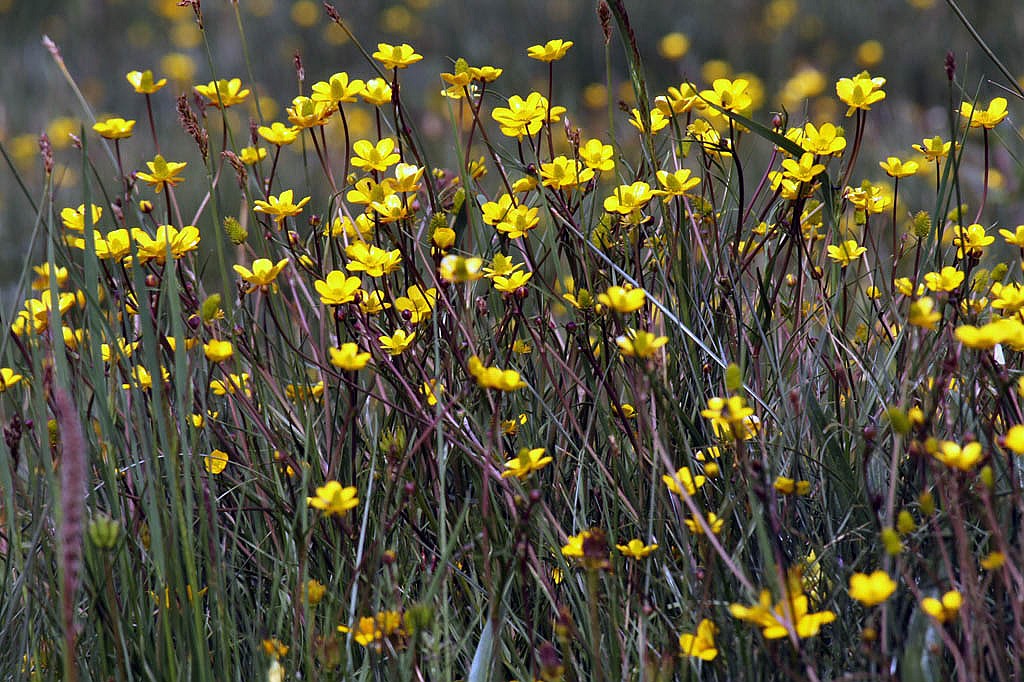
(333, 499)
(872, 589)
(551, 51)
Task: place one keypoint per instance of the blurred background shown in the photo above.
(794, 50)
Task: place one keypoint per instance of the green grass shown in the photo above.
(830, 428)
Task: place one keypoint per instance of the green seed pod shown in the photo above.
(733, 377)
(103, 532)
(922, 224)
(234, 230)
(211, 306)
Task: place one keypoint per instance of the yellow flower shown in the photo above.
(252, 155)
(231, 384)
(143, 82)
(934, 149)
(789, 486)
(453, 268)
(278, 134)
(943, 610)
(623, 300)
(168, 237)
(775, 622)
(215, 462)
(676, 183)
(114, 128)
(307, 113)
(494, 377)
(730, 95)
(715, 523)
(315, 591)
(639, 344)
(281, 206)
(373, 260)
(971, 240)
(827, 140)
(263, 273)
(523, 116)
(333, 499)
(141, 378)
(551, 51)
(511, 283)
(376, 92)
(636, 549)
(860, 92)
(518, 221)
(683, 480)
(224, 93)
(564, 173)
(846, 252)
(417, 304)
(431, 389)
(375, 157)
(629, 199)
(701, 644)
(597, 155)
(726, 414)
(396, 56)
(985, 118)
(652, 123)
(896, 168)
(397, 342)
(337, 89)
(948, 279)
(871, 590)
(923, 314)
(348, 357)
(993, 561)
(8, 378)
(804, 170)
(218, 351)
(526, 462)
(680, 100)
(74, 218)
(952, 455)
(162, 173)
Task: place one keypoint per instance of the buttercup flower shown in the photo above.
(114, 128)
(281, 206)
(985, 118)
(396, 56)
(700, 644)
(637, 549)
(551, 51)
(944, 609)
(224, 93)
(278, 133)
(860, 92)
(162, 173)
(264, 272)
(526, 462)
(333, 499)
(348, 357)
(873, 589)
(143, 82)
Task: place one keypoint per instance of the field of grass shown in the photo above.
(615, 345)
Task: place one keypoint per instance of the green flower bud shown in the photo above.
(103, 532)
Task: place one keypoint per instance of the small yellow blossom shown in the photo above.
(224, 93)
(396, 56)
(114, 128)
(846, 252)
(162, 173)
(281, 206)
(333, 499)
(348, 357)
(526, 462)
(263, 273)
(551, 51)
(397, 342)
(860, 92)
(873, 589)
(985, 118)
(217, 350)
(637, 549)
(700, 644)
(683, 480)
(623, 300)
(215, 462)
(143, 83)
(8, 378)
(944, 609)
